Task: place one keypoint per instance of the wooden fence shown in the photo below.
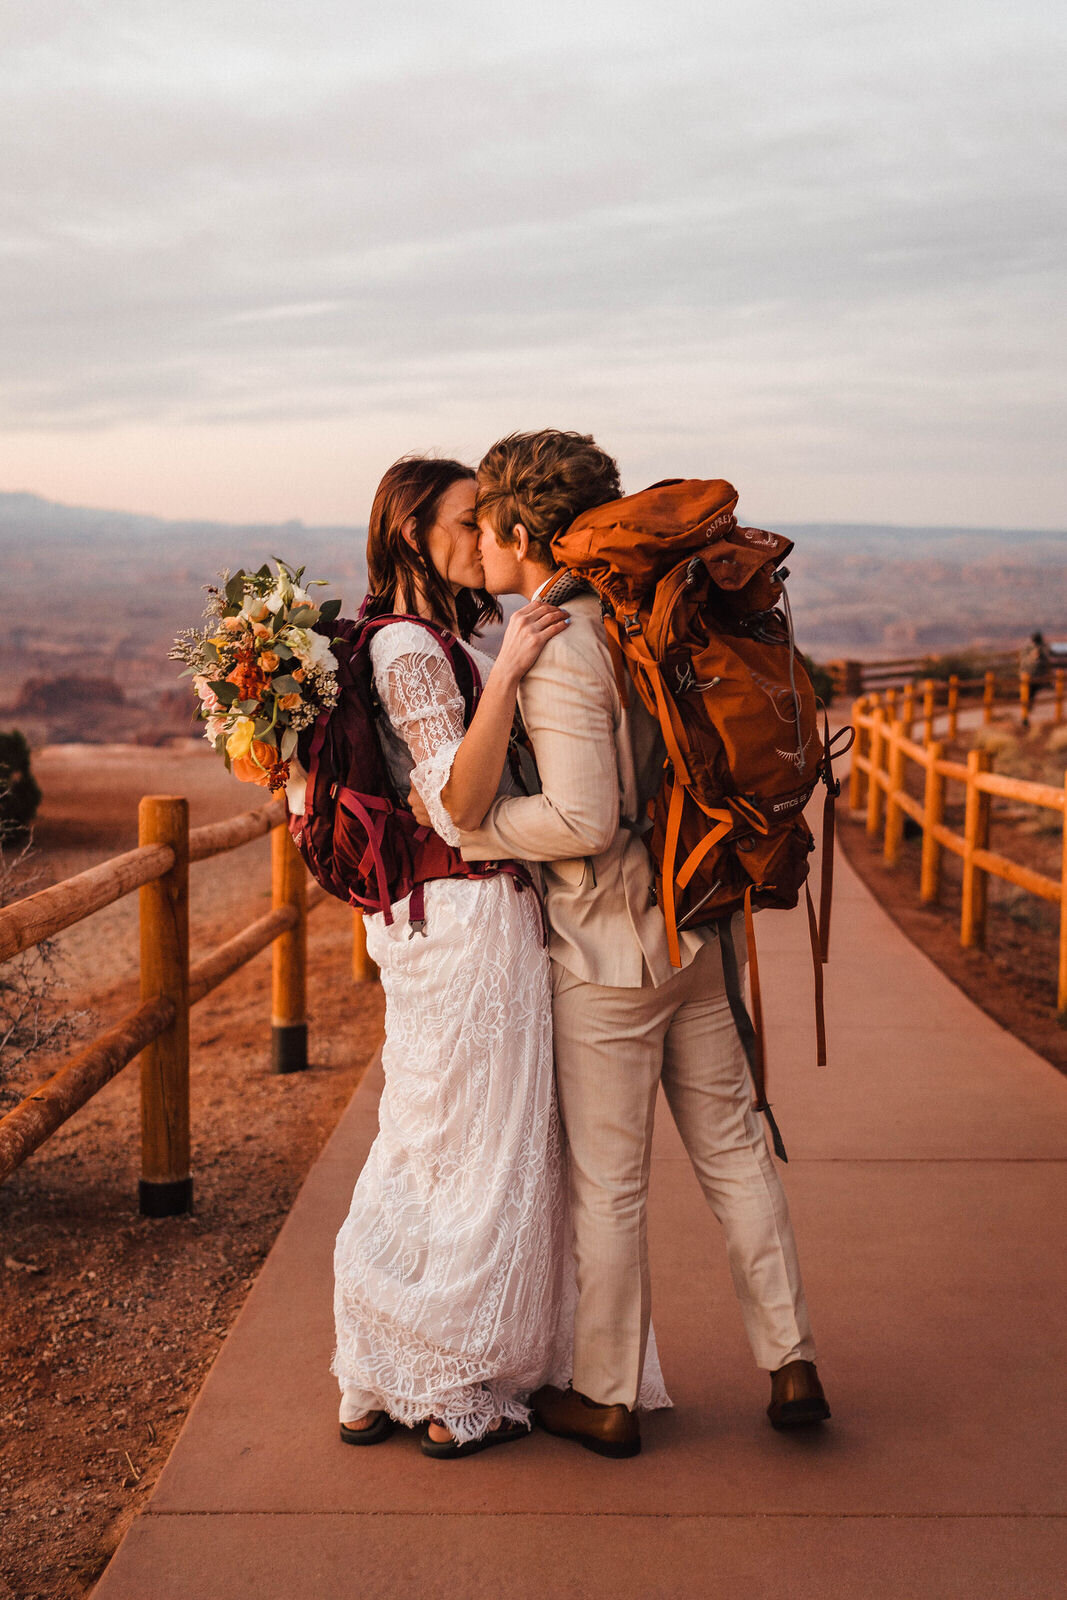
(852, 678)
(883, 750)
(158, 1030)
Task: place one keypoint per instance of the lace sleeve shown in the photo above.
(420, 696)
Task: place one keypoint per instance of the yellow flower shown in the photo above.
(240, 741)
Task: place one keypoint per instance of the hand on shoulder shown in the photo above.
(527, 633)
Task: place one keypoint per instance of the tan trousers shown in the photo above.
(613, 1047)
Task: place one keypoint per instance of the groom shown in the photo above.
(625, 1020)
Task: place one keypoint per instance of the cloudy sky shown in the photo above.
(252, 251)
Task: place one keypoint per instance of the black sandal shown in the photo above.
(378, 1430)
(448, 1449)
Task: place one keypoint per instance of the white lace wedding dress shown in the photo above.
(453, 1273)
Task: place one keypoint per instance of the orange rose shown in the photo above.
(268, 661)
(255, 766)
(248, 680)
(298, 674)
(288, 702)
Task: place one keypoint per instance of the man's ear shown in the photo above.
(522, 541)
(407, 531)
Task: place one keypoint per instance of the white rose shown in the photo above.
(322, 657)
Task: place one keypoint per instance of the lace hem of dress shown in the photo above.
(429, 778)
(468, 1414)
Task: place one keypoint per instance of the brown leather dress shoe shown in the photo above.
(609, 1430)
(797, 1399)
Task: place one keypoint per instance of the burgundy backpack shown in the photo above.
(358, 837)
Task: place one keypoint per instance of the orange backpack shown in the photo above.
(690, 606)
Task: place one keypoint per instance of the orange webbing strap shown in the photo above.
(833, 789)
(826, 884)
(618, 660)
(670, 854)
(724, 824)
(817, 959)
(751, 1041)
(667, 712)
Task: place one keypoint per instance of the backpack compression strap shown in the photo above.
(833, 789)
(749, 1032)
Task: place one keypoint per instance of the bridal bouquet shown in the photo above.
(260, 670)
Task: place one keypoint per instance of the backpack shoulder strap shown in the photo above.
(468, 678)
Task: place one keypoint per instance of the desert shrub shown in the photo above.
(821, 679)
(19, 792)
(998, 741)
(33, 1015)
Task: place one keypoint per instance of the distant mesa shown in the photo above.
(50, 697)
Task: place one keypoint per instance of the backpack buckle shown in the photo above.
(418, 925)
(632, 625)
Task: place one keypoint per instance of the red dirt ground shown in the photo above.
(110, 1320)
(1014, 978)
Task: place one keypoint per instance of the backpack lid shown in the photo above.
(625, 547)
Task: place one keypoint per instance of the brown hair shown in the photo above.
(543, 480)
(413, 487)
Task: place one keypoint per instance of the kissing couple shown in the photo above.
(494, 1262)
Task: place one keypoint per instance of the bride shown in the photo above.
(448, 1266)
(453, 1266)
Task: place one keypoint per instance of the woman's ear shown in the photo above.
(522, 541)
(407, 531)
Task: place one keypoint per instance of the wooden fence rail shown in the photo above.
(855, 678)
(881, 756)
(158, 1030)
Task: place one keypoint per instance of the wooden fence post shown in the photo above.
(975, 837)
(874, 788)
(933, 817)
(989, 695)
(894, 816)
(1062, 990)
(363, 968)
(953, 705)
(907, 714)
(1057, 691)
(890, 706)
(929, 704)
(860, 747)
(289, 1027)
(1024, 699)
(166, 1186)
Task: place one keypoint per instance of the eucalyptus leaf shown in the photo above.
(226, 692)
(235, 589)
(282, 651)
(329, 610)
(284, 684)
(290, 739)
(303, 616)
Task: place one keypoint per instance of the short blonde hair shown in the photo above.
(543, 480)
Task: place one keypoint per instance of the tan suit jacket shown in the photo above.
(599, 763)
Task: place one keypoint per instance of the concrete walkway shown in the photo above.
(927, 1184)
